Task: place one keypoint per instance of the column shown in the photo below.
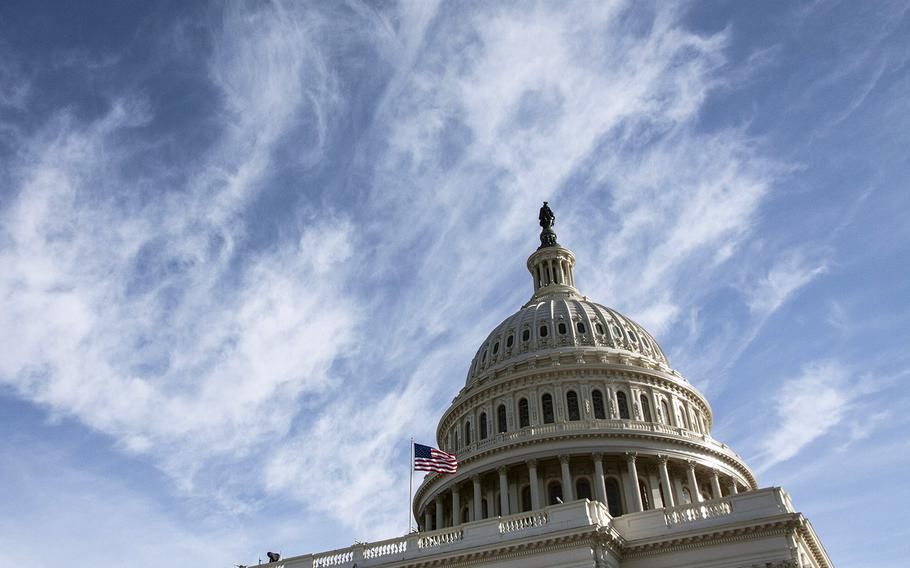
(535, 484)
(456, 507)
(693, 483)
(715, 485)
(665, 481)
(427, 519)
(734, 488)
(478, 499)
(633, 479)
(600, 488)
(504, 491)
(439, 512)
(566, 480)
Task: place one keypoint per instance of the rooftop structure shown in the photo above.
(579, 445)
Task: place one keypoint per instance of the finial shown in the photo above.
(547, 234)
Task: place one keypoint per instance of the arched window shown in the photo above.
(544, 331)
(666, 409)
(572, 405)
(525, 498)
(483, 426)
(495, 348)
(561, 328)
(467, 433)
(554, 493)
(524, 419)
(597, 398)
(645, 498)
(645, 408)
(583, 489)
(614, 501)
(510, 340)
(580, 327)
(623, 405)
(501, 418)
(546, 403)
(526, 335)
(599, 328)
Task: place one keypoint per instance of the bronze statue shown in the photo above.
(547, 234)
(547, 218)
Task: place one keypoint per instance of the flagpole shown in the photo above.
(410, 483)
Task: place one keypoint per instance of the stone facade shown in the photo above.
(579, 446)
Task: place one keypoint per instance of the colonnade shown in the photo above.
(657, 479)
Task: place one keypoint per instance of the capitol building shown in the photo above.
(579, 445)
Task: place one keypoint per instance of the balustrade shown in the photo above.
(698, 511)
(334, 558)
(439, 539)
(385, 549)
(526, 521)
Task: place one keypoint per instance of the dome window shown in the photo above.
(599, 328)
(572, 405)
(633, 336)
(510, 340)
(546, 403)
(561, 328)
(597, 398)
(524, 419)
(483, 426)
(580, 327)
(526, 335)
(483, 357)
(501, 418)
(644, 342)
(616, 331)
(614, 501)
(623, 404)
(495, 348)
(645, 409)
(544, 331)
(467, 433)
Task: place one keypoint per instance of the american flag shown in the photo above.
(427, 458)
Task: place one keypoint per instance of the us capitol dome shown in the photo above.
(578, 445)
(569, 399)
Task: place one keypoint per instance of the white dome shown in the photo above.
(569, 322)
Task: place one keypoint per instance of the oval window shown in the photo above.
(599, 328)
(544, 331)
(495, 348)
(561, 328)
(526, 335)
(510, 340)
(580, 327)
(483, 358)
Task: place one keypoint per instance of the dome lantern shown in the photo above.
(551, 264)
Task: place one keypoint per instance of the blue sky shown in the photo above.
(247, 250)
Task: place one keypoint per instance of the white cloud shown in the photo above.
(808, 407)
(790, 273)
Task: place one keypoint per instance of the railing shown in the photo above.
(526, 521)
(385, 549)
(698, 511)
(579, 425)
(440, 539)
(335, 558)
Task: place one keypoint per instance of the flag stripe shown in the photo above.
(427, 458)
